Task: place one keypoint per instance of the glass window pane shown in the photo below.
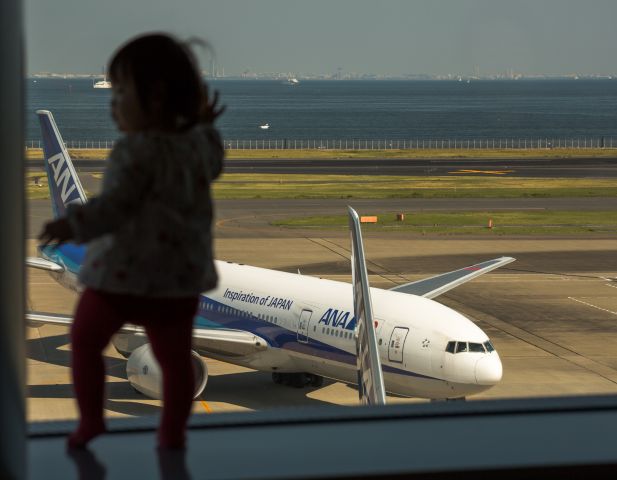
(476, 347)
(450, 347)
(461, 347)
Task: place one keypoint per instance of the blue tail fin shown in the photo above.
(64, 185)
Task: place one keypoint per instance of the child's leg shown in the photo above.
(96, 320)
(170, 335)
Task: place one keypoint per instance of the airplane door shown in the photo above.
(303, 325)
(397, 342)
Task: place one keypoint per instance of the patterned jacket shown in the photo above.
(149, 231)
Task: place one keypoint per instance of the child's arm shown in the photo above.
(125, 182)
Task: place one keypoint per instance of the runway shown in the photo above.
(515, 167)
(251, 218)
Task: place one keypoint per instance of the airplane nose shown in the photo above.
(489, 370)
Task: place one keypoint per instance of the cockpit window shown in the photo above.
(489, 346)
(461, 347)
(476, 347)
(450, 347)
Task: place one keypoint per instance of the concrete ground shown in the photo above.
(552, 316)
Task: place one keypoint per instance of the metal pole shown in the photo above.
(12, 252)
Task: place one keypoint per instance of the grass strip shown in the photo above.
(247, 186)
(273, 186)
(102, 153)
(477, 223)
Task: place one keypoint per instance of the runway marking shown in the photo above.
(485, 172)
(206, 406)
(592, 305)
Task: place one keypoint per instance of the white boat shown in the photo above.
(265, 126)
(292, 81)
(102, 83)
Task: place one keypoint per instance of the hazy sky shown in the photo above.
(365, 36)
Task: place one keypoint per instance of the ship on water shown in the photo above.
(102, 83)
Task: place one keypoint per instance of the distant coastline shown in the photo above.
(361, 77)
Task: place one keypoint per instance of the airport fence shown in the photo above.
(362, 144)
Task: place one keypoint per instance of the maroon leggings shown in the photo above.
(168, 323)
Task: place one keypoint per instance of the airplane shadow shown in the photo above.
(256, 391)
(252, 390)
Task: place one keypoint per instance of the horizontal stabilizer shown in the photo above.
(439, 284)
(42, 264)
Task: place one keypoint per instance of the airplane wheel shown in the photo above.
(316, 381)
(299, 380)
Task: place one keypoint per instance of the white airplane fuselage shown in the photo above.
(308, 325)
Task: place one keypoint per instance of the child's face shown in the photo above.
(125, 107)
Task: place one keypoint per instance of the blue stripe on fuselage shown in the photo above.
(213, 314)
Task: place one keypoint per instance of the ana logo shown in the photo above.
(336, 318)
(62, 176)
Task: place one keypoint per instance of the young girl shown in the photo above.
(149, 232)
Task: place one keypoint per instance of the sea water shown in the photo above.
(380, 110)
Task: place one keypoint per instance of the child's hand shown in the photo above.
(58, 231)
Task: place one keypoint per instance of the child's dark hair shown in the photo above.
(163, 68)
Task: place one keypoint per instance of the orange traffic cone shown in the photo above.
(490, 223)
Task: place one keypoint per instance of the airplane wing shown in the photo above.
(370, 375)
(37, 319)
(231, 343)
(42, 264)
(435, 286)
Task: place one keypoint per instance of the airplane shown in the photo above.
(300, 328)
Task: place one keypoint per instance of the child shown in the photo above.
(149, 232)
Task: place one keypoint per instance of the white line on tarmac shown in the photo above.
(593, 306)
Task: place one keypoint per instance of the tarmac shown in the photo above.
(552, 315)
(543, 166)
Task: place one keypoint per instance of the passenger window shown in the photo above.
(450, 347)
(461, 347)
(476, 348)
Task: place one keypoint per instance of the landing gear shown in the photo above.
(297, 380)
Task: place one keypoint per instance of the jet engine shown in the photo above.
(144, 373)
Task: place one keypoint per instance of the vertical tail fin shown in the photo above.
(370, 376)
(64, 185)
